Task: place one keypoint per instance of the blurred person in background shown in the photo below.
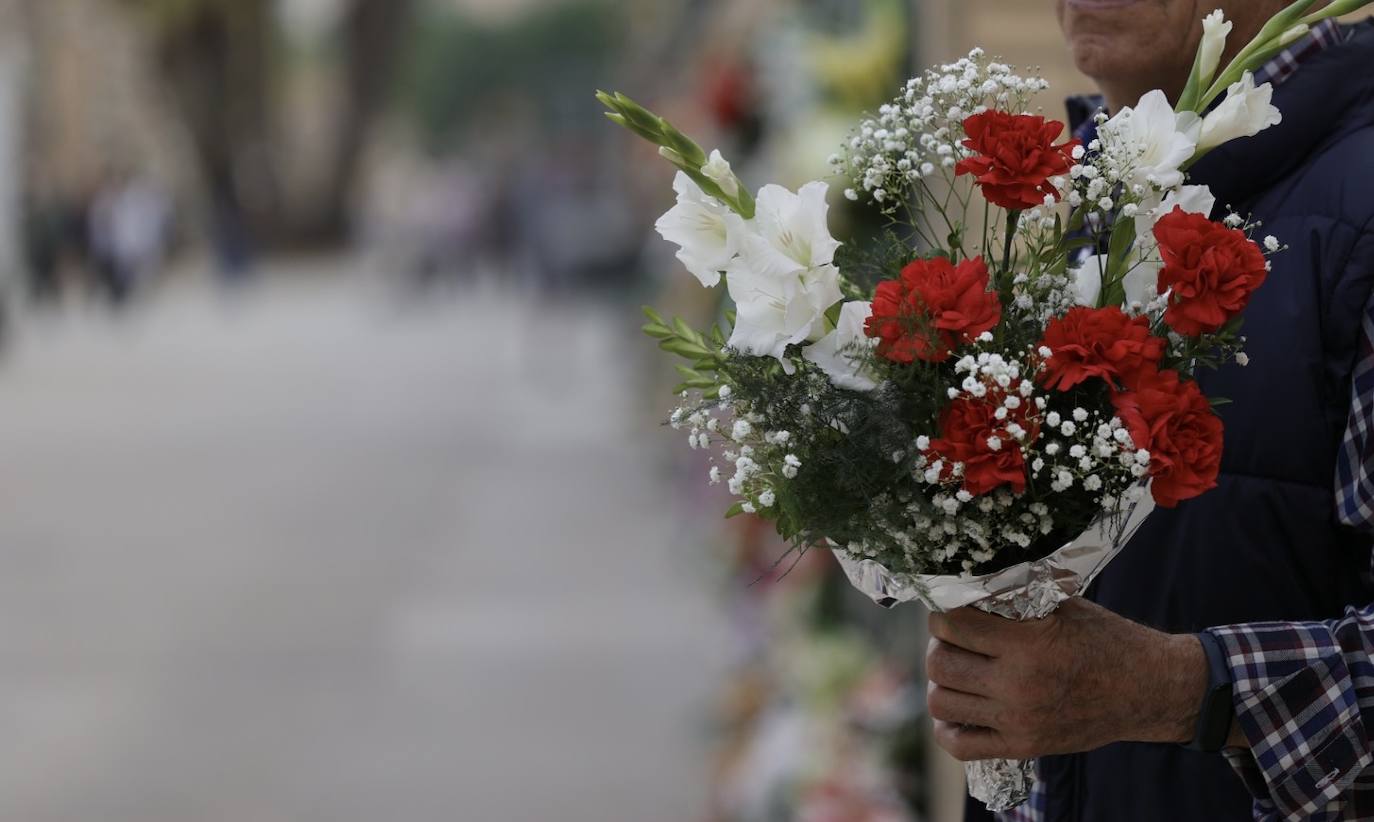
(129, 228)
(1254, 645)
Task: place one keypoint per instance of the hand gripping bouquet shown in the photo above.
(980, 405)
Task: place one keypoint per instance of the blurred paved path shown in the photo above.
(310, 555)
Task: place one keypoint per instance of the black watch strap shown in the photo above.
(1216, 712)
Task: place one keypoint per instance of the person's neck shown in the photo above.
(1127, 91)
(1121, 95)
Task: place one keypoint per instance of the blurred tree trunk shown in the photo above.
(214, 59)
(217, 58)
(371, 38)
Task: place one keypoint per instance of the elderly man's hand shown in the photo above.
(1074, 681)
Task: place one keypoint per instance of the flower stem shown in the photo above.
(1013, 218)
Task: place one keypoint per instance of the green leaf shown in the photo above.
(745, 201)
(684, 348)
(832, 315)
(653, 315)
(684, 330)
(656, 331)
(1118, 253)
(735, 510)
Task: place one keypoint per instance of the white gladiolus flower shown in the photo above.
(834, 352)
(1192, 199)
(1245, 112)
(1087, 280)
(790, 229)
(783, 281)
(775, 312)
(706, 232)
(1152, 140)
(1215, 29)
(717, 170)
(1140, 283)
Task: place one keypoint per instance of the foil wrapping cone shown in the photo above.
(1030, 590)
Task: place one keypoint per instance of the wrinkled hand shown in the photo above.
(1077, 680)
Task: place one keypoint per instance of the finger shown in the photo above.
(959, 708)
(966, 743)
(973, 630)
(952, 667)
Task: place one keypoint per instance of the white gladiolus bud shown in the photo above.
(1215, 29)
(718, 171)
(1245, 112)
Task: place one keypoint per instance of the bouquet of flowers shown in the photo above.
(978, 405)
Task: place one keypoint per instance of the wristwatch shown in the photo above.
(1216, 712)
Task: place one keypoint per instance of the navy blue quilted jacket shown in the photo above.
(1266, 543)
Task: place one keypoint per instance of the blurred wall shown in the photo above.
(93, 99)
(13, 78)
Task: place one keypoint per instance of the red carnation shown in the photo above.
(931, 308)
(971, 434)
(1175, 422)
(1016, 157)
(1212, 270)
(1099, 342)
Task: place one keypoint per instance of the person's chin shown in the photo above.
(1099, 55)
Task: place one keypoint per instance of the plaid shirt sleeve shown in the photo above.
(1304, 692)
(1304, 695)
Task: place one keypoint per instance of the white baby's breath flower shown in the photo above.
(1271, 243)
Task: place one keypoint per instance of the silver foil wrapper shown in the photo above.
(1031, 590)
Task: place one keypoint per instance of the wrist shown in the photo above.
(1173, 682)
